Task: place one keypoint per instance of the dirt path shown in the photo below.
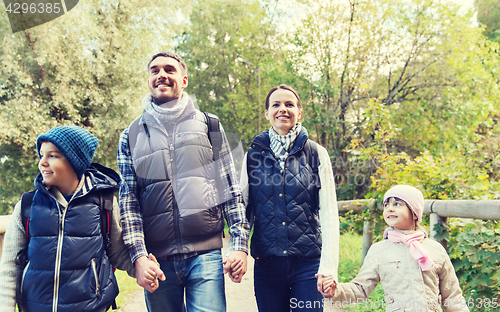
(239, 297)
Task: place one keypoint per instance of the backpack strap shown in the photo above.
(26, 201)
(251, 164)
(311, 150)
(215, 138)
(133, 132)
(106, 205)
(214, 134)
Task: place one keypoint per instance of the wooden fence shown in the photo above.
(439, 211)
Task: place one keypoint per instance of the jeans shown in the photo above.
(202, 279)
(284, 284)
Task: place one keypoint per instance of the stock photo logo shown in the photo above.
(25, 14)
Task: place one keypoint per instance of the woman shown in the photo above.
(287, 207)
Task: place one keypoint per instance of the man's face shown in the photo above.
(166, 80)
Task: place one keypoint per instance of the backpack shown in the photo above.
(106, 205)
(214, 133)
(311, 151)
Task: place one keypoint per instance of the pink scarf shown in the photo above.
(417, 251)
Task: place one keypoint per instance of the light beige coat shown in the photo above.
(406, 287)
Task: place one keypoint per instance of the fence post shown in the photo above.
(367, 239)
(435, 219)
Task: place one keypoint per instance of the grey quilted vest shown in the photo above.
(176, 177)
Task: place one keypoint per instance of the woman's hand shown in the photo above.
(326, 285)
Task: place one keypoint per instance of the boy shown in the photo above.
(67, 267)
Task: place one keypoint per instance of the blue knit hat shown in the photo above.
(76, 144)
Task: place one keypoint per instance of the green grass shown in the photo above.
(349, 265)
(128, 287)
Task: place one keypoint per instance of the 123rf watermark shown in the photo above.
(25, 14)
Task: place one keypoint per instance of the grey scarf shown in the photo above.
(162, 114)
(282, 144)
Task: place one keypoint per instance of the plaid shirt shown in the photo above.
(131, 216)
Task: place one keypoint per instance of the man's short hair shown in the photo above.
(171, 55)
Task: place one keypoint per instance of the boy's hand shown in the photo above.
(235, 265)
(326, 285)
(148, 271)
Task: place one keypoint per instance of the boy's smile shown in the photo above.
(56, 170)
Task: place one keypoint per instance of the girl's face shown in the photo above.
(283, 112)
(398, 215)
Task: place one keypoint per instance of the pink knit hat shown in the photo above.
(413, 198)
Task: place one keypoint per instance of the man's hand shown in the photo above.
(326, 285)
(148, 271)
(236, 265)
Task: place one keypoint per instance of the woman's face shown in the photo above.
(283, 112)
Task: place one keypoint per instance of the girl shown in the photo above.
(416, 272)
(288, 201)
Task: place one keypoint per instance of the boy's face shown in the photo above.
(398, 214)
(56, 170)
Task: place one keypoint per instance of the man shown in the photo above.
(173, 197)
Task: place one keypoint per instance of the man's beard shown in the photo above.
(168, 102)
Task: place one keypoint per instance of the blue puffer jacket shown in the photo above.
(285, 203)
(68, 269)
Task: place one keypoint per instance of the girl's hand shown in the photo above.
(326, 285)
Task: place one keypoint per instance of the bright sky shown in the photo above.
(297, 11)
(467, 4)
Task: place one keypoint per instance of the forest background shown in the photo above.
(398, 91)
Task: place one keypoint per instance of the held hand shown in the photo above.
(235, 265)
(148, 271)
(153, 258)
(326, 285)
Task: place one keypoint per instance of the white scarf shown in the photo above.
(282, 144)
